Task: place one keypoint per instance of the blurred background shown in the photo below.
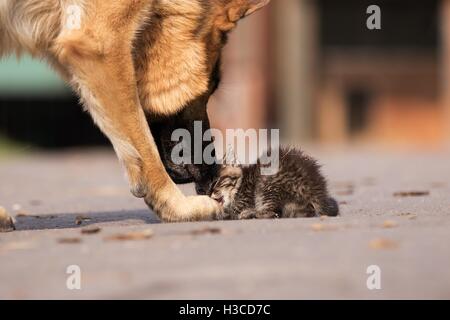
(308, 67)
(373, 106)
(314, 70)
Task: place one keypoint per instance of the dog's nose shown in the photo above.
(200, 190)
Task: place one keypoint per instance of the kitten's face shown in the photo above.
(227, 185)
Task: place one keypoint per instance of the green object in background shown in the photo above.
(29, 77)
(10, 148)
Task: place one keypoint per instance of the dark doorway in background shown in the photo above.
(48, 122)
(405, 24)
(358, 103)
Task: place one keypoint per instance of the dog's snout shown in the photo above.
(201, 190)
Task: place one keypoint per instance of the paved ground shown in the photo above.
(407, 237)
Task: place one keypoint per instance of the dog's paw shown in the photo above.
(6, 222)
(203, 208)
(187, 209)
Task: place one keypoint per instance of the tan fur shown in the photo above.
(127, 57)
(6, 221)
(171, 72)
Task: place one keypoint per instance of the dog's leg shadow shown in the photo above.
(77, 220)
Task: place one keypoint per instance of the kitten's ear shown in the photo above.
(236, 10)
(230, 157)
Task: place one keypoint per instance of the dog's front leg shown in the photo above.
(106, 83)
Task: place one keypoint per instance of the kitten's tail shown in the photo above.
(330, 208)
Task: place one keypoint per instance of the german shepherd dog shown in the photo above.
(141, 68)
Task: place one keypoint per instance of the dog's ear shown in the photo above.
(236, 10)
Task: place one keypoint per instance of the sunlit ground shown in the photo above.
(395, 214)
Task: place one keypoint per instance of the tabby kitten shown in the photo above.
(297, 190)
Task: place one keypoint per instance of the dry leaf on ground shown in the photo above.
(404, 194)
(347, 192)
(388, 224)
(410, 216)
(45, 216)
(131, 236)
(383, 244)
(206, 231)
(91, 230)
(69, 240)
(17, 245)
(323, 227)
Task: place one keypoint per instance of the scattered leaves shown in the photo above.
(80, 219)
(69, 240)
(404, 194)
(319, 227)
(344, 188)
(91, 230)
(347, 192)
(23, 214)
(204, 231)
(410, 216)
(18, 245)
(131, 236)
(45, 216)
(383, 244)
(389, 224)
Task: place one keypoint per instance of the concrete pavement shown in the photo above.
(407, 236)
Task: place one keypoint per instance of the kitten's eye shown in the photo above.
(217, 184)
(226, 183)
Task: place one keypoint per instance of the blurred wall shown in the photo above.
(38, 110)
(332, 80)
(308, 67)
(242, 100)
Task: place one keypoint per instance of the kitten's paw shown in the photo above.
(254, 214)
(248, 214)
(267, 215)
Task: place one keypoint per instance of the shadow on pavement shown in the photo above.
(68, 221)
